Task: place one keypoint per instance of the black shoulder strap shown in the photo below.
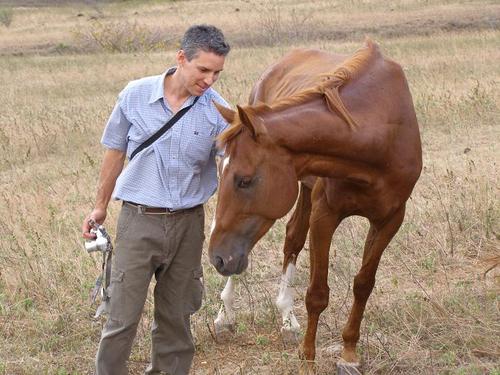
(163, 129)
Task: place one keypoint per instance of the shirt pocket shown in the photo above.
(198, 149)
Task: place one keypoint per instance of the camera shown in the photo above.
(102, 241)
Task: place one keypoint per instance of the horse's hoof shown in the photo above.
(224, 332)
(333, 350)
(290, 337)
(307, 368)
(348, 368)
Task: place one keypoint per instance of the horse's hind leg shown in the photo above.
(379, 236)
(296, 233)
(297, 227)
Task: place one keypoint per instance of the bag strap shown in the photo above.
(163, 129)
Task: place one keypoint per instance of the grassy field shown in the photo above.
(435, 307)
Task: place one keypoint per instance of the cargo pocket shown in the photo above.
(116, 296)
(195, 291)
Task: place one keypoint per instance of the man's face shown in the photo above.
(201, 72)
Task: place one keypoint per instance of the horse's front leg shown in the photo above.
(296, 233)
(225, 321)
(323, 223)
(291, 328)
(379, 236)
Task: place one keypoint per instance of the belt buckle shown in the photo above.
(141, 210)
(169, 211)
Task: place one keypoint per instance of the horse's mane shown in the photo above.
(328, 88)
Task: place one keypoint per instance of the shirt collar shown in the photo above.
(158, 91)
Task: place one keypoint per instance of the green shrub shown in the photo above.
(6, 15)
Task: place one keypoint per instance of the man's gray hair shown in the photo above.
(206, 38)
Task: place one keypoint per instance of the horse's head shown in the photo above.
(258, 185)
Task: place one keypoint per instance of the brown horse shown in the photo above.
(348, 120)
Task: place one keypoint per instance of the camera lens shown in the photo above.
(91, 246)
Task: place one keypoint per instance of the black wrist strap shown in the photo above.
(163, 129)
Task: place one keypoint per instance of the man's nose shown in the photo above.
(209, 80)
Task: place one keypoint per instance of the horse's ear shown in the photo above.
(252, 122)
(225, 112)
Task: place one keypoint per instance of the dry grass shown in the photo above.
(82, 27)
(434, 310)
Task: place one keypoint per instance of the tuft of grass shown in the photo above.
(6, 16)
(122, 36)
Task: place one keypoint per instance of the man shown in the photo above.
(160, 229)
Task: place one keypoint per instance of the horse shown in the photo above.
(350, 122)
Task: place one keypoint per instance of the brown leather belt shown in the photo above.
(158, 210)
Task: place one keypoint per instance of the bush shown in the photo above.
(6, 15)
(120, 37)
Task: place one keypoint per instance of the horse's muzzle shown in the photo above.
(230, 265)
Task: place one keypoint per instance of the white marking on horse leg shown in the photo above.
(284, 302)
(226, 318)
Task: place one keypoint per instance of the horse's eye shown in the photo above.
(244, 182)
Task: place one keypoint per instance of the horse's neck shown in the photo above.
(320, 143)
(306, 164)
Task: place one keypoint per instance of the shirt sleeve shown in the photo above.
(116, 130)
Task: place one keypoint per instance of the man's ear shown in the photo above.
(180, 57)
(227, 113)
(253, 122)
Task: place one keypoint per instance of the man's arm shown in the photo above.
(111, 167)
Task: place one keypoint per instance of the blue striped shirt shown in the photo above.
(178, 170)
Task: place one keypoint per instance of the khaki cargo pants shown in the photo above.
(169, 247)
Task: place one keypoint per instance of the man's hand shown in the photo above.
(98, 215)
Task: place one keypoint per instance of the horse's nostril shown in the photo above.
(218, 263)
